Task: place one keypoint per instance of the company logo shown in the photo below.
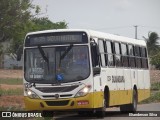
(6, 114)
(56, 96)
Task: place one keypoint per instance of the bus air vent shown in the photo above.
(56, 89)
(64, 95)
(57, 103)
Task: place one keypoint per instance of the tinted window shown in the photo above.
(144, 63)
(138, 62)
(108, 47)
(124, 55)
(102, 52)
(109, 53)
(137, 52)
(131, 50)
(143, 52)
(131, 56)
(117, 48)
(117, 55)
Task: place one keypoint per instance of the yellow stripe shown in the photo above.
(125, 96)
(143, 94)
(98, 99)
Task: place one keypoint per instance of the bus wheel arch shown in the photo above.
(133, 105)
(106, 95)
(101, 112)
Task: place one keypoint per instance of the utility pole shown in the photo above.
(136, 26)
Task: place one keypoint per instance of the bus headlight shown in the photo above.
(84, 91)
(31, 94)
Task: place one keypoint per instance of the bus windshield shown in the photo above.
(56, 64)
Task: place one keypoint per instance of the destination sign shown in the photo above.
(56, 38)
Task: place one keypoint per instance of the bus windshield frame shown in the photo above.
(59, 64)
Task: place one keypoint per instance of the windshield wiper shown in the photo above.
(44, 55)
(66, 52)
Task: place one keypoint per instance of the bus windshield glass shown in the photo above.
(56, 64)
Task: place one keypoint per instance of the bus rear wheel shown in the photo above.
(133, 106)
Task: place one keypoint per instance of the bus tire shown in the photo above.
(131, 107)
(100, 113)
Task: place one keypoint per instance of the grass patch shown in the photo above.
(155, 86)
(11, 108)
(17, 91)
(11, 81)
(155, 94)
(155, 97)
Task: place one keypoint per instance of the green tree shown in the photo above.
(153, 49)
(16, 19)
(13, 13)
(152, 43)
(155, 60)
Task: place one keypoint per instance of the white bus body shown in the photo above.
(116, 72)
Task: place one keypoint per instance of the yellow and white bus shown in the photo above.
(79, 70)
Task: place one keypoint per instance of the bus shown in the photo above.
(84, 71)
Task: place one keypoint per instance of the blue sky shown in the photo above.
(111, 16)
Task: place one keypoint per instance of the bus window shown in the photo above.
(143, 52)
(109, 47)
(131, 56)
(102, 52)
(137, 55)
(117, 55)
(124, 55)
(144, 57)
(137, 52)
(109, 53)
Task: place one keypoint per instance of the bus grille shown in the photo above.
(56, 89)
(50, 96)
(57, 103)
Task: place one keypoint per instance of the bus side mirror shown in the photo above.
(19, 53)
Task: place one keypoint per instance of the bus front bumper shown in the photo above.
(85, 102)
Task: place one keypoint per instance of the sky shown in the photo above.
(111, 16)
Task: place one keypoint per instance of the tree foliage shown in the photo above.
(152, 43)
(13, 13)
(16, 19)
(153, 49)
(155, 60)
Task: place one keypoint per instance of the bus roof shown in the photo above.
(96, 34)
